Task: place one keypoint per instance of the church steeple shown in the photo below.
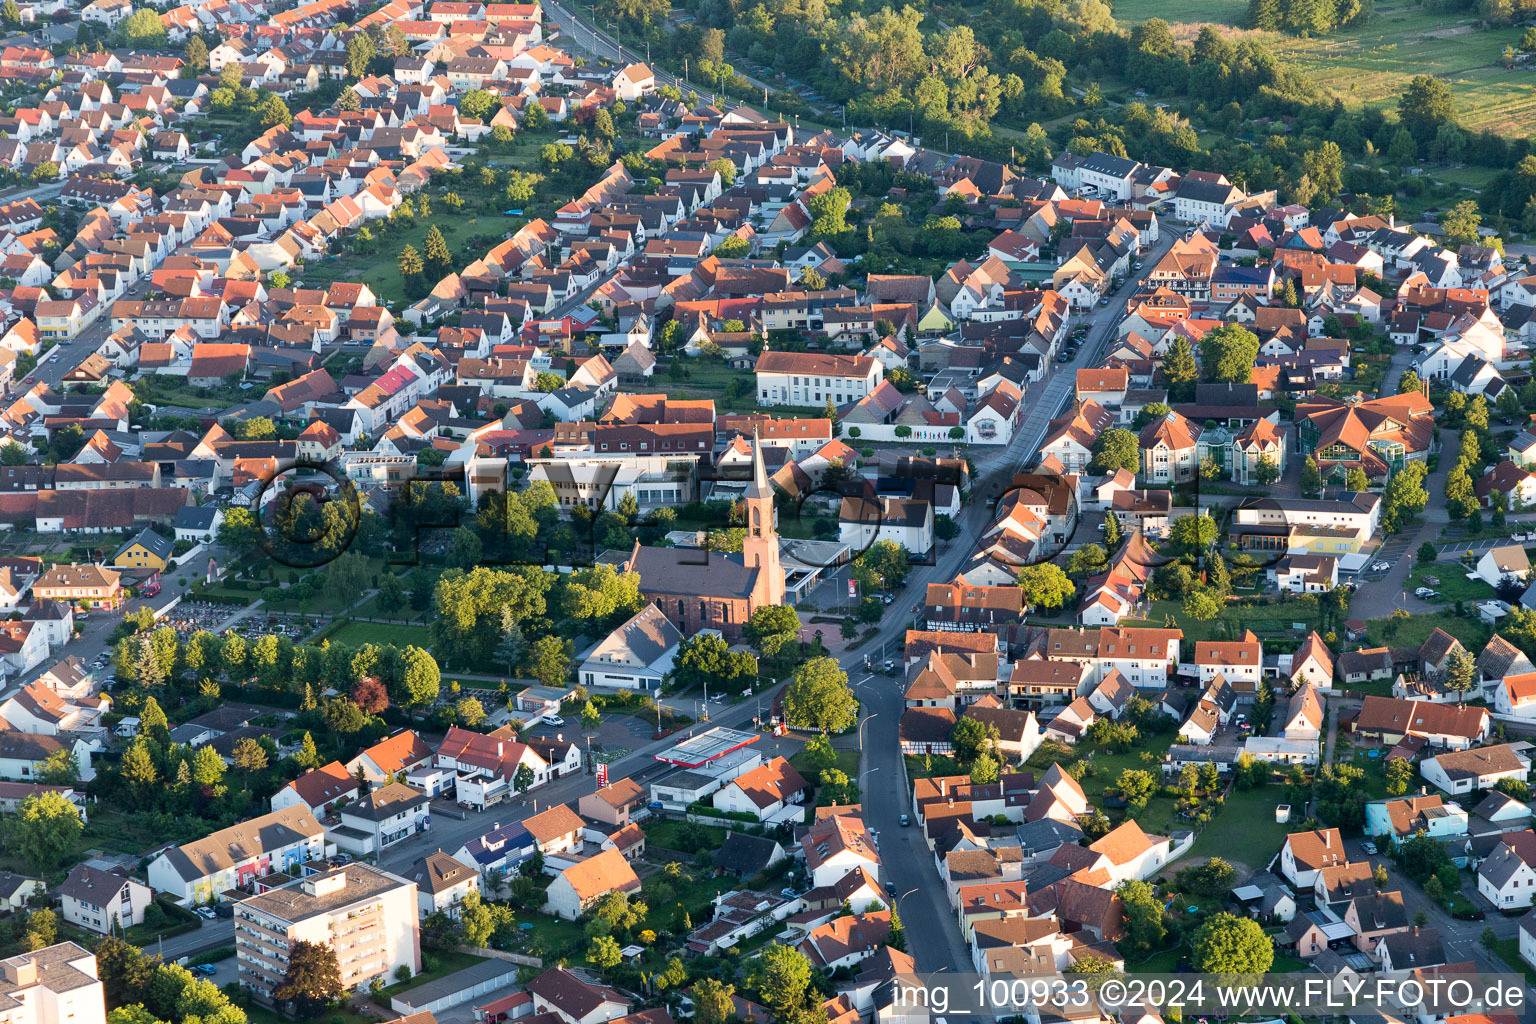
(760, 547)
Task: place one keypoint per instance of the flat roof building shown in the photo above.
(367, 915)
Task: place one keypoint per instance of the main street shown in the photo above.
(911, 873)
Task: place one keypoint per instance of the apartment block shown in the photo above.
(367, 915)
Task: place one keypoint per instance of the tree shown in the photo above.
(1460, 672)
(10, 15)
(882, 566)
(819, 698)
(479, 104)
(1409, 382)
(705, 659)
(343, 717)
(1112, 534)
(1461, 223)
(308, 756)
(60, 768)
(604, 952)
(471, 712)
(549, 659)
(1311, 477)
(360, 53)
(1114, 449)
(968, 738)
(1046, 586)
(411, 265)
(1423, 107)
(1202, 605)
(1227, 353)
(207, 767)
(829, 212)
(274, 112)
(984, 770)
(1379, 876)
(771, 628)
(250, 757)
(1180, 371)
(152, 720)
(313, 980)
(1137, 786)
(143, 30)
(45, 828)
(1213, 878)
(523, 779)
(1356, 480)
(137, 768)
(420, 679)
(1404, 497)
(369, 694)
(591, 717)
(1143, 916)
(783, 979)
(1325, 167)
(438, 259)
(712, 1001)
(1088, 559)
(1227, 944)
(1091, 964)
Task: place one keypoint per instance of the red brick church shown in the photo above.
(698, 589)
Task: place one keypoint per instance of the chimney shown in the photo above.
(1327, 839)
(943, 787)
(1423, 790)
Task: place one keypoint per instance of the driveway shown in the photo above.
(1389, 592)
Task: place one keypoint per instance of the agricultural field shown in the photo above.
(1369, 64)
(1222, 12)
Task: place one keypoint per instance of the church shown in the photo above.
(698, 589)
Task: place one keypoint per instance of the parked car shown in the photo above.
(207, 969)
(554, 720)
(905, 821)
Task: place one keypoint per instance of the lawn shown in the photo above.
(381, 269)
(1268, 621)
(1452, 584)
(931, 766)
(356, 634)
(681, 904)
(1245, 829)
(668, 834)
(437, 964)
(1415, 629)
(1508, 950)
(549, 937)
(164, 389)
(847, 761)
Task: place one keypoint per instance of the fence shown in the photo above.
(501, 954)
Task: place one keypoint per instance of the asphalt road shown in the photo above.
(911, 874)
(67, 355)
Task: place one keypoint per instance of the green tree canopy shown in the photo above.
(819, 698)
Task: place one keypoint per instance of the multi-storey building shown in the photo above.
(368, 916)
(54, 985)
